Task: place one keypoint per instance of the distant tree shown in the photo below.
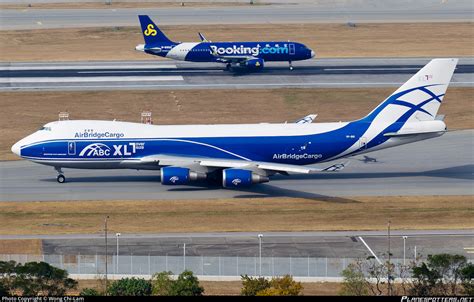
(85, 292)
(440, 275)
(284, 286)
(354, 283)
(161, 284)
(251, 286)
(8, 274)
(186, 285)
(467, 277)
(3, 289)
(34, 278)
(130, 287)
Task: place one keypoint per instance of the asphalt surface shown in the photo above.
(350, 72)
(350, 244)
(349, 11)
(440, 166)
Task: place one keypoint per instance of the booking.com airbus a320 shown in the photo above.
(248, 55)
(240, 155)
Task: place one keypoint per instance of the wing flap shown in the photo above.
(171, 160)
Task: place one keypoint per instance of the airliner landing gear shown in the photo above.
(291, 65)
(228, 66)
(61, 178)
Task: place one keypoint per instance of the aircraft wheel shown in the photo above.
(61, 178)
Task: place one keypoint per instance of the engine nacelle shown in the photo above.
(236, 178)
(254, 63)
(179, 176)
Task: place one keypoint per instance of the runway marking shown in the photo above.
(469, 250)
(88, 79)
(190, 86)
(370, 250)
(91, 67)
(144, 71)
(367, 69)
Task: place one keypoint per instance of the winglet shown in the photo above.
(203, 39)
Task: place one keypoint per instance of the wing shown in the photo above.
(232, 58)
(271, 168)
(307, 119)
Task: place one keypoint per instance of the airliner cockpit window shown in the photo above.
(45, 128)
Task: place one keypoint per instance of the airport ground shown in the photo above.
(238, 215)
(23, 112)
(328, 40)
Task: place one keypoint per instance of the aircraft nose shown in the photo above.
(16, 149)
(312, 53)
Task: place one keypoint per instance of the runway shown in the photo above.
(347, 11)
(440, 166)
(349, 244)
(324, 73)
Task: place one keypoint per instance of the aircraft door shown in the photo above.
(292, 49)
(71, 148)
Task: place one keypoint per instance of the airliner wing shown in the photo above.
(233, 59)
(307, 119)
(172, 160)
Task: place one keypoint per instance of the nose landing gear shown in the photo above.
(291, 65)
(61, 178)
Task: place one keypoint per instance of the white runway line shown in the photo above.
(88, 79)
(85, 67)
(375, 69)
(370, 250)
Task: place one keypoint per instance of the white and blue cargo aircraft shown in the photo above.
(243, 154)
(250, 55)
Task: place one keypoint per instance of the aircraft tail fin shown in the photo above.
(151, 33)
(419, 98)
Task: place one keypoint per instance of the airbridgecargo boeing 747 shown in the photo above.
(249, 55)
(243, 154)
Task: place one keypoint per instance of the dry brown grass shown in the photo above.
(238, 215)
(21, 246)
(24, 112)
(328, 40)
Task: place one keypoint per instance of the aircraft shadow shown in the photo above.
(458, 172)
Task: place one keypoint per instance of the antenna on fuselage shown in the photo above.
(63, 116)
(146, 118)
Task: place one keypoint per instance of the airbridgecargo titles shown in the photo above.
(240, 155)
(250, 55)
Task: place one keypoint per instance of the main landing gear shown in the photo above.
(61, 178)
(228, 66)
(291, 65)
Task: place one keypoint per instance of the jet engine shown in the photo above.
(179, 176)
(236, 178)
(254, 63)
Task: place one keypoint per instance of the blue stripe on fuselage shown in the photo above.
(302, 150)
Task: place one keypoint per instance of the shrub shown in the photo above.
(130, 287)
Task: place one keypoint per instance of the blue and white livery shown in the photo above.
(243, 154)
(251, 55)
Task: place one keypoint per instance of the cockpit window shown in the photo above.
(45, 128)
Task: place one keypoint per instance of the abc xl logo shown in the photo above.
(150, 30)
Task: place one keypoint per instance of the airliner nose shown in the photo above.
(140, 47)
(312, 53)
(16, 149)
